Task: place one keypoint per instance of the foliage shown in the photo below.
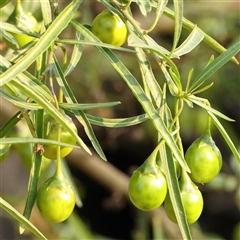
(33, 93)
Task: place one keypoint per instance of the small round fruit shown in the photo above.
(55, 200)
(192, 203)
(51, 128)
(24, 20)
(109, 28)
(204, 161)
(29, 23)
(147, 191)
(191, 199)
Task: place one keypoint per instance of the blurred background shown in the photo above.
(106, 212)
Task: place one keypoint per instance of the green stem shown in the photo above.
(153, 156)
(178, 111)
(128, 4)
(132, 21)
(158, 15)
(185, 182)
(208, 127)
(18, 9)
(50, 64)
(34, 174)
(37, 158)
(189, 79)
(60, 93)
(58, 172)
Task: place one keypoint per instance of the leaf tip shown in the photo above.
(21, 229)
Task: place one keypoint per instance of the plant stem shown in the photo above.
(18, 8)
(178, 111)
(208, 127)
(58, 172)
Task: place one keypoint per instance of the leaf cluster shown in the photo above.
(32, 96)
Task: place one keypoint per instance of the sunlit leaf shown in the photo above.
(200, 103)
(225, 136)
(35, 140)
(178, 13)
(215, 65)
(87, 106)
(194, 38)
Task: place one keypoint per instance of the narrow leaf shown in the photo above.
(225, 136)
(35, 140)
(174, 191)
(215, 65)
(10, 124)
(159, 11)
(178, 12)
(87, 106)
(18, 101)
(148, 77)
(209, 109)
(46, 12)
(117, 122)
(75, 56)
(194, 38)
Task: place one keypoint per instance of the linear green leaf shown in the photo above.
(46, 12)
(117, 122)
(18, 101)
(225, 136)
(100, 44)
(31, 80)
(215, 65)
(7, 27)
(87, 106)
(35, 140)
(151, 86)
(194, 38)
(75, 56)
(10, 124)
(174, 191)
(159, 11)
(178, 12)
(209, 109)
